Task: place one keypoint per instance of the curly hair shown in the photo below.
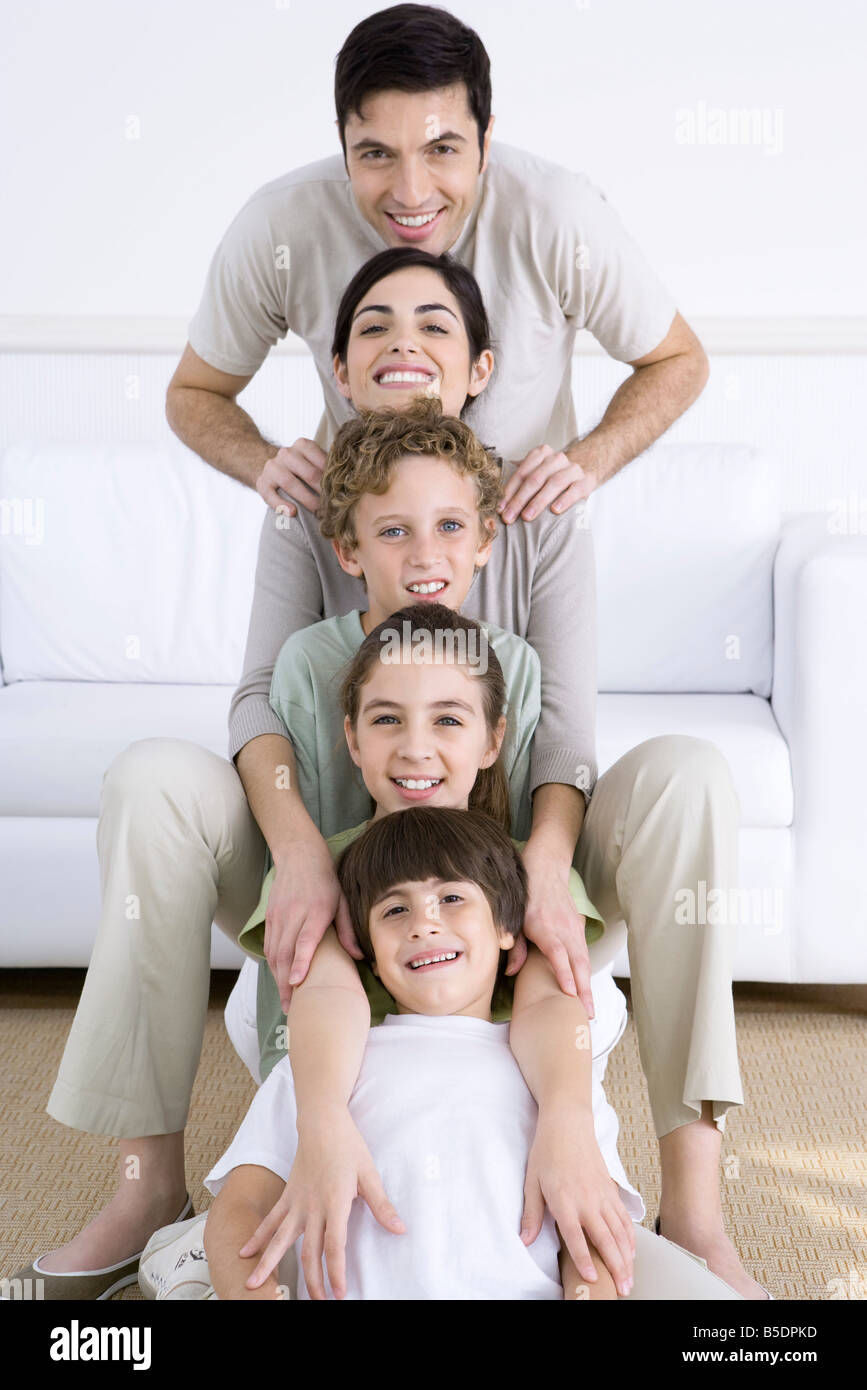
(365, 450)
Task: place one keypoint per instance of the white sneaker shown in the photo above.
(173, 1264)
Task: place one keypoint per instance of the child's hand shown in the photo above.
(554, 924)
(332, 1167)
(566, 1173)
(305, 898)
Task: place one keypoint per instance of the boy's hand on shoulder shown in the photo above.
(332, 1167)
(566, 1172)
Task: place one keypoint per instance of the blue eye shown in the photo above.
(451, 719)
(457, 524)
(389, 529)
(385, 718)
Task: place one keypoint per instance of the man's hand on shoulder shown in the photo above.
(297, 470)
(546, 477)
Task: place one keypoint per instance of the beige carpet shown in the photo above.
(794, 1160)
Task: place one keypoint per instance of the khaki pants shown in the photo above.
(179, 848)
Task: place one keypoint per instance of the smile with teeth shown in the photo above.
(433, 587)
(412, 377)
(433, 960)
(414, 221)
(417, 784)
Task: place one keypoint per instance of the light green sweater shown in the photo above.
(305, 690)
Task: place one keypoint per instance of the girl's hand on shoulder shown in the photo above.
(546, 477)
(332, 1167)
(304, 900)
(556, 926)
(567, 1174)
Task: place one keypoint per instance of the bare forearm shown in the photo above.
(230, 1224)
(329, 1020)
(266, 767)
(558, 815)
(219, 431)
(550, 1039)
(642, 408)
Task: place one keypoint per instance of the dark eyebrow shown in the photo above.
(369, 144)
(436, 704)
(386, 309)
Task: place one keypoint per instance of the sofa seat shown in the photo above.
(743, 727)
(57, 738)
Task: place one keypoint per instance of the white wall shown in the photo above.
(230, 93)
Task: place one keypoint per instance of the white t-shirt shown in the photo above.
(449, 1120)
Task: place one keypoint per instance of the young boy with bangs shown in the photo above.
(440, 1099)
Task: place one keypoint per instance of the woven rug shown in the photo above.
(794, 1171)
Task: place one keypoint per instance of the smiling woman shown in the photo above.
(412, 323)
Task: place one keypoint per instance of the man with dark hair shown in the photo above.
(413, 99)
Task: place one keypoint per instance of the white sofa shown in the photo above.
(125, 585)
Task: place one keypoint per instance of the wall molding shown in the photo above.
(767, 337)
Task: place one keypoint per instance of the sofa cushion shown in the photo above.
(685, 538)
(135, 562)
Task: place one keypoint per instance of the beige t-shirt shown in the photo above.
(548, 251)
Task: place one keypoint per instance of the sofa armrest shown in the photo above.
(819, 700)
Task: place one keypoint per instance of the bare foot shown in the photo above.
(715, 1247)
(118, 1232)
